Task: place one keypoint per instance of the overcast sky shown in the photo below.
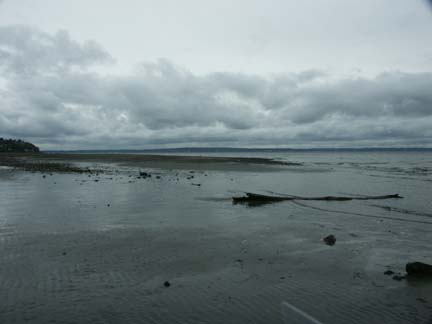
(144, 73)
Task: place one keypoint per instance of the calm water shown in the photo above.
(107, 223)
(26, 195)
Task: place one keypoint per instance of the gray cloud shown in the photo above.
(27, 50)
(49, 94)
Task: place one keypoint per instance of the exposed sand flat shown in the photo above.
(240, 276)
(99, 247)
(158, 161)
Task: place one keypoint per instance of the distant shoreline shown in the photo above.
(243, 150)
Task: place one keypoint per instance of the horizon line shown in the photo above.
(222, 148)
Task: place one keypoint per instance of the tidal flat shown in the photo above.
(99, 246)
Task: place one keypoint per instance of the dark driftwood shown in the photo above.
(257, 199)
(419, 269)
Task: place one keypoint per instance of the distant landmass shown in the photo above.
(17, 145)
(245, 150)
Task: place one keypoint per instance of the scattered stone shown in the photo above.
(329, 240)
(389, 273)
(158, 177)
(145, 174)
(108, 205)
(418, 269)
(398, 277)
(196, 184)
(64, 253)
(167, 284)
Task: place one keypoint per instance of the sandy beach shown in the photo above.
(110, 245)
(215, 162)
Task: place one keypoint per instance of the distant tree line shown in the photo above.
(16, 145)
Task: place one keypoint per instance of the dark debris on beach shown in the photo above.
(42, 166)
(414, 270)
(254, 200)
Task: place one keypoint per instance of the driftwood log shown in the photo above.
(257, 199)
(419, 269)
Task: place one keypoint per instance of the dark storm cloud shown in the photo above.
(52, 95)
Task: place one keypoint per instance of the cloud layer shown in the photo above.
(50, 93)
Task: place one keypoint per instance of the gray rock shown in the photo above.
(329, 240)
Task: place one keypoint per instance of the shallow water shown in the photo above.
(76, 250)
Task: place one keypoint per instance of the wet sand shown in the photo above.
(77, 250)
(156, 161)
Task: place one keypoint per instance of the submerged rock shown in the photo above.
(167, 284)
(418, 269)
(329, 240)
